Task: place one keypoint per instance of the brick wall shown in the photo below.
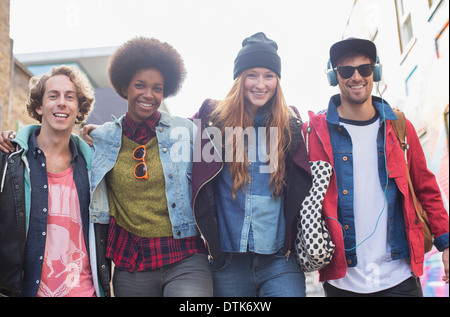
(18, 113)
(13, 87)
(5, 60)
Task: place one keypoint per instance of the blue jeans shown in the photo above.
(250, 275)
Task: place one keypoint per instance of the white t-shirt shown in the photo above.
(375, 270)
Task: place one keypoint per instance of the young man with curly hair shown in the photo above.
(44, 196)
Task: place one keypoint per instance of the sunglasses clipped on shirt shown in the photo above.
(140, 170)
(364, 70)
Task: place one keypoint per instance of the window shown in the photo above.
(433, 5)
(405, 28)
(440, 41)
(38, 70)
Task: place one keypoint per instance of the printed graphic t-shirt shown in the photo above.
(66, 270)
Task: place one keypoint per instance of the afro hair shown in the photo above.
(142, 53)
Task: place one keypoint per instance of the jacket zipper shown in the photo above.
(288, 253)
(195, 198)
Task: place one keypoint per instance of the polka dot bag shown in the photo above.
(313, 245)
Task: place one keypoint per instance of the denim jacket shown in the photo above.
(175, 141)
(342, 145)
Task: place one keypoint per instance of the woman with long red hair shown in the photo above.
(250, 175)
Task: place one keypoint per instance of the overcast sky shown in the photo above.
(207, 33)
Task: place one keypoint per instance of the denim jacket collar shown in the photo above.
(381, 106)
(166, 119)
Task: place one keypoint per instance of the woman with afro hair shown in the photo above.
(140, 185)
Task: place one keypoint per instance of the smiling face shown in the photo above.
(357, 89)
(60, 106)
(260, 85)
(144, 93)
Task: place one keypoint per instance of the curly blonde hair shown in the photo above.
(85, 92)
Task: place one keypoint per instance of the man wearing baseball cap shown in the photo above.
(368, 207)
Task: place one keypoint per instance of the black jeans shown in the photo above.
(409, 288)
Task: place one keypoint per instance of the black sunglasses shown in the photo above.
(364, 70)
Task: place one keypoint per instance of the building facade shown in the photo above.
(412, 38)
(17, 70)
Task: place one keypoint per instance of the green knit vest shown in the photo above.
(139, 205)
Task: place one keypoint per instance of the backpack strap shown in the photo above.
(399, 127)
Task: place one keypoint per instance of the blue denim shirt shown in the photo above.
(37, 229)
(175, 141)
(342, 146)
(254, 221)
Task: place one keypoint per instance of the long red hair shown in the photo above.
(231, 112)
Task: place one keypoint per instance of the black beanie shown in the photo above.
(258, 51)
